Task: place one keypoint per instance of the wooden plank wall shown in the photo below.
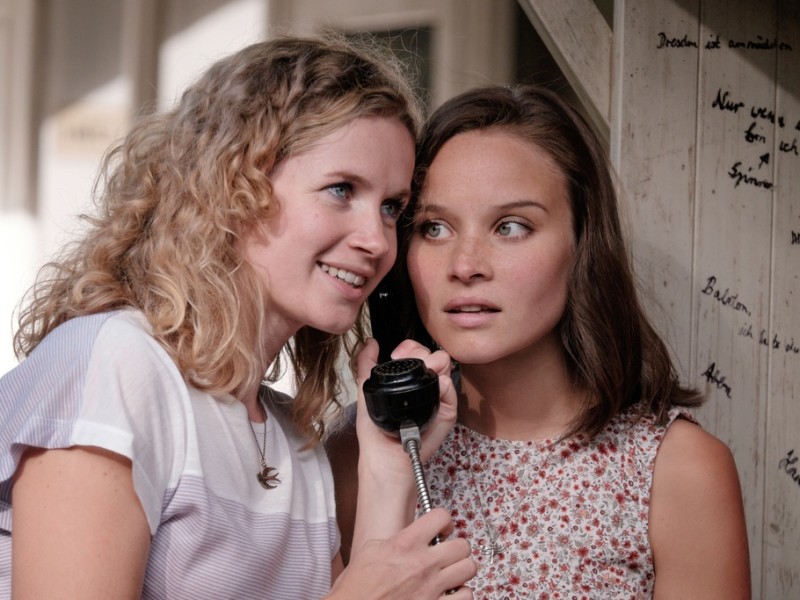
(705, 135)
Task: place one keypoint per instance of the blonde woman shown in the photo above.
(142, 454)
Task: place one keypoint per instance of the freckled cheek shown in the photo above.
(539, 280)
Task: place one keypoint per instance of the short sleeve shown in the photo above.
(99, 381)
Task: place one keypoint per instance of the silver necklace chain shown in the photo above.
(494, 547)
(267, 476)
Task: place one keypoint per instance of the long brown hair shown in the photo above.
(179, 192)
(612, 350)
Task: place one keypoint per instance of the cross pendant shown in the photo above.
(491, 549)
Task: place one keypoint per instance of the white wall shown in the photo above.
(81, 111)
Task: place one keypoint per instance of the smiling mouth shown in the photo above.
(349, 277)
(473, 309)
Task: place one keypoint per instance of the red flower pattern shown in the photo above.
(571, 515)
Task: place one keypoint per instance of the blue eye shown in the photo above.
(341, 190)
(393, 208)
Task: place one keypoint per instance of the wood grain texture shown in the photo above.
(705, 126)
(580, 40)
(782, 464)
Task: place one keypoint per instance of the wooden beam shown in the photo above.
(580, 40)
(19, 55)
(140, 44)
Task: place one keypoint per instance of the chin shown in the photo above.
(338, 330)
(476, 350)
(470, 355)
(334, 327)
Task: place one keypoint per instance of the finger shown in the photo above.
(438, 428)
(366, 359)
(428, 526)
(457, 565)
(459, 593)
(451, 551)
(448, 398)
(439, 361)
(410, 349)
(456, 576)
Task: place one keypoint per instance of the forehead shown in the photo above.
(358, 147)
(345, 131)
(493, 147)
(493, 165)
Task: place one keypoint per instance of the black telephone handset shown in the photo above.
(386, 316)
(393, 315)
(399, 392)
(402, 396)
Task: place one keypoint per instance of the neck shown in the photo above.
(519, 399)
(254, 405)
(275, 334)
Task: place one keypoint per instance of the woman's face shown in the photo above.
(333, 237)
(492, 249)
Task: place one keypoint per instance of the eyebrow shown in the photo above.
(402, 194)
(522, 203)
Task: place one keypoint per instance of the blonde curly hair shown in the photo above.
(177, 195)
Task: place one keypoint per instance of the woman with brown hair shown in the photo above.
(574, 470)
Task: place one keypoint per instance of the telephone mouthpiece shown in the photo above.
(400, 393)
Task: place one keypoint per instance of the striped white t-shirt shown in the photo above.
(103, 381)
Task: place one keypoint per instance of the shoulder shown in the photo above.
(75, 338)
(694, 471)
(691, 459)
(127, 361)
(696, 523)
(127, 333)
(77, 352)
(121, 336)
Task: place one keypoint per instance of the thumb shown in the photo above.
(443, 422)
(367, 358)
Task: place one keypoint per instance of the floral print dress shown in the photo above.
(554, 519)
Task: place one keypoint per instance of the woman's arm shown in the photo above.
(79, 530)
(391, 556)
(697, 526)
(387, 493)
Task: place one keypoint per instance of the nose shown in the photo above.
(372, 235)
(470, 260)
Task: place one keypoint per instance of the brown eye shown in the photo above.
(513, 229)
(433, 230)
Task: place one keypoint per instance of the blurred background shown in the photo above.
(75, 73)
